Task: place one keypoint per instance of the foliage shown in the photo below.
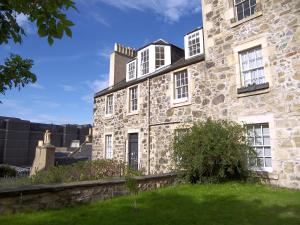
(15, 73)
(7, 171)
(49, 16)
(213, 151)
(81, 171)
(218, 204)
(51, 22)
(132, 185)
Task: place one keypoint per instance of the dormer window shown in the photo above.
(131, 70)
(193, 44)
(159, 56)
(145, 62)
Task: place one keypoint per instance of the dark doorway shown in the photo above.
(133, 150)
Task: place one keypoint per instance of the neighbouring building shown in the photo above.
(243, 65)
(19, 138)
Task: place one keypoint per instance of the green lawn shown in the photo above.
(222, 204)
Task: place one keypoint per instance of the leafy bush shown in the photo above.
(81, 171)
(7, 171)
(213, 151)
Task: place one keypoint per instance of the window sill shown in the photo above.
(262, 170)
(181, 102)
(108, 116)
(253, 90)
(193, 56)
(133, 113)
(237, 23)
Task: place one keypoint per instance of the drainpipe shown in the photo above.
(148, 80)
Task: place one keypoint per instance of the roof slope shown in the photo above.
(182, 62)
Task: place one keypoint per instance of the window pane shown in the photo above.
(260, 152)
(266, 140)
(265, 129)
(268, 151)
(257, 131)
(194, 44)
(260, 162)
(244, 8)
(260, 134)
(268, 162)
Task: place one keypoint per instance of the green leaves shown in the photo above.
(16, 73)
(51, 22)
(49, 17)
(213, 151)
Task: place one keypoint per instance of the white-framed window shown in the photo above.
(109, 105)
(108, 146)
(193, 43)
(259, 137)
(244, 8)
(252, 66)
(181, 85)
(159, 56)
(131, 70)
(145, 62)
(133, 99)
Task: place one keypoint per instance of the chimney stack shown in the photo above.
(118, 60)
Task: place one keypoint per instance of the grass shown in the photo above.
(211, 204)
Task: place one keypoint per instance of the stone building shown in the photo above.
(244, 65)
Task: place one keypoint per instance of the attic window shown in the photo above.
(131, 70)
(145, 62)
(193, 44)
(159, 56)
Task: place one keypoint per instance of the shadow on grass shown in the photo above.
(167, 209)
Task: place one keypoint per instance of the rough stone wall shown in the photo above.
(213, 85)
(60, 195)
(277, 24)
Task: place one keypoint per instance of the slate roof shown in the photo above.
(182, 62)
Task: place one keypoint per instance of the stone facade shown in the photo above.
(213, 85)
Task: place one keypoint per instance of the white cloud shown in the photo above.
(97, 85)
(37, 86)
(23, 22)
(105, 52)
(46, 104)
(170, 10)
(87, 98)
(68, 88)
(46, 118)
(15, 106)
(22, 110)
(68, 58)
(99, 18)
(94, 86)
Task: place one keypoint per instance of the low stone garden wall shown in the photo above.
(39, 197)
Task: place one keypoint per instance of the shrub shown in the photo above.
(81, 171)
(132, 184)
(213, 151)
(7, 171)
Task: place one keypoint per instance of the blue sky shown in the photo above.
(72, 70)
